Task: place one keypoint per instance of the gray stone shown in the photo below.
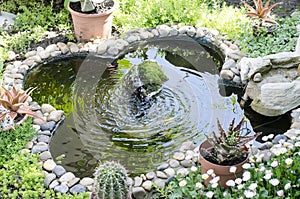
(227, 74)
(47, 132)
(284, 59)
(77, 189)
(132, 38)
(45, 126)
(277, 98)
(191, 31)
(102, 47)
(170, 172)
(138, 181)
(59, 170)
(49, 165)
(174, 163)
(235, 70)
(138, 192)
(38, 149)
(161, 174)
(11, 55)
(86, 181)
(39, 122)
(55, 115)
(61, 189)
(147, 185)
(159, 183)
(155, 32)
(186, 163)
(112, 50)
(47, 108)
(72, 182)
(278, 138)
(44, 138)
(163, 166)
(63, 47)
(29, 62)
(189, 145)
(173, 32)
(29, 145)
(36, 58)
(73, 47)
(237, 79)
(45, 155)
(189, 154)
(44, 54)
(297, 48)
(52, 125)
(53, 184)
(51, 48)
(183, 171)
(121, 44)
(266, 145)
(55, 53)
(229, 63)
(150, 175)
(200, 33)
(257, 77)
(48, 179)
(164, 30)
(66, 177)
(179, 156)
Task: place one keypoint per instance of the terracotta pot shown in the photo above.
(219, 170)
(89, 26)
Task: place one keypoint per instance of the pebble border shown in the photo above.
(57, 177)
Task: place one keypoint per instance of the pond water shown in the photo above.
(98, 127)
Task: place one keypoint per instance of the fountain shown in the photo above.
(114, 114)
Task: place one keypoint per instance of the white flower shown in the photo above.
(240, 186)
(249, 194)
(252, 186)
(280, 193)
(274, 181)
(262, 169)
(182, 183)
(271, 136)
(224, 194)
(276, 152)
(230, 183)
(215, 180)
(287, 186)
(265, 138)
(209, 194)
(193, 168)
(246, 166)
(289, 161)
(268, 176)
(283, 150)
(274, 163)
(232, 169)
(269, 172)
(210, 172)
(214, 185)
(246, 176)
(297, 144)
(205, 176)
(238, 181)
(199, 185)
(288, 145)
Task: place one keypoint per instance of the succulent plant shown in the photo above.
(261, 11)
(229, 146)
(13, 109)
(111, 181)
(89, 5)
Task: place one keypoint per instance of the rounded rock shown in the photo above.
(138, 192)
(48, 179)
(174, 163)
(45, 156)
(163, 166)
(161, 174)
(77, 189)
(150, 175)
(49, 165)
(138, 181)
(179, 156)
(66, 177)
(147, 185)
(61, 189)
(277, 139)
(86, 181)
(59, 170)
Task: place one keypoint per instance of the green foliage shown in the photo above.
(111, 181)
(13, 141)
(134, 14)
(264, 43)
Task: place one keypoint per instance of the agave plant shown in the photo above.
(261, 11)
(229, 146)
(13, 108)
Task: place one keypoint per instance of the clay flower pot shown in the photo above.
(219, 170)
(92, 26)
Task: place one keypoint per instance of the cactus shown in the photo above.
(229, 146)
(111, 181)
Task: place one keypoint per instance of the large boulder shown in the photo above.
(277, 98)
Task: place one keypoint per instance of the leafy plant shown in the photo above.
(229, 146)
(110, 181)
(90, 5)
(13, 107)
(261, 11)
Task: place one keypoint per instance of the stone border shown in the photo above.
(57, 177)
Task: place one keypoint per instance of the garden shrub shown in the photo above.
(282, 40)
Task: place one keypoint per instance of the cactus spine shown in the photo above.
(111, 181)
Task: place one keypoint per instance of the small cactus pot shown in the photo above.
(222, 171)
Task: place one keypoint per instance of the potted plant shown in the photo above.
(92, 19)
(225, 154)
(261, 15)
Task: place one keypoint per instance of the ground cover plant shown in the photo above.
(275, 174)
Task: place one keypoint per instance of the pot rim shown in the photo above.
(73, 12)
(222, 166)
